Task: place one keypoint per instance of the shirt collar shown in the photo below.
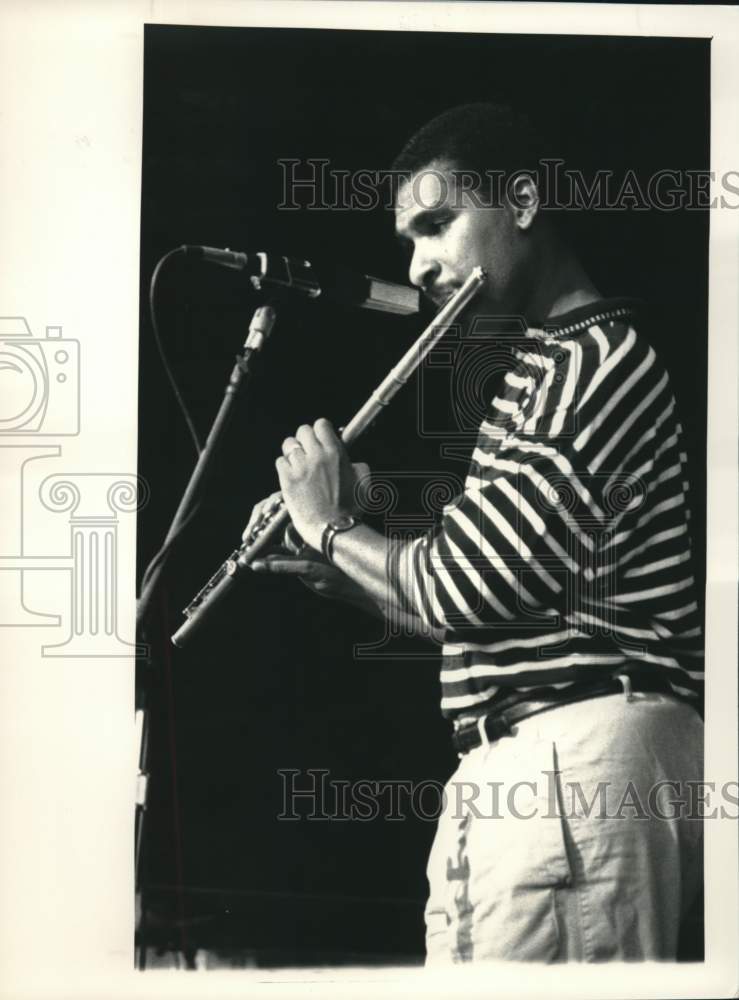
(583, 317)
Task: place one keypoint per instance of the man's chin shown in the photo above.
(485, 305)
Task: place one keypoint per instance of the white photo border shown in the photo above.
(71, 94)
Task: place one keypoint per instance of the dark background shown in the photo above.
(276, 682)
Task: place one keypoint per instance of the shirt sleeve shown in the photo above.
(510, 548)
(522, 537)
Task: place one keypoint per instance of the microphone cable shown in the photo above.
(160, 347)
(166, 548)
(163, 552)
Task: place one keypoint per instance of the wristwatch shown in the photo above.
(332, 529)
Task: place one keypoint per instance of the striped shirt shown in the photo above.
(568, 554)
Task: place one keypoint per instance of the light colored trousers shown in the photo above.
(575, 838)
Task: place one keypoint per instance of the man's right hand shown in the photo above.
(263, 507)
(308, 565)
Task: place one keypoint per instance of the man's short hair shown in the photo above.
(478, 137)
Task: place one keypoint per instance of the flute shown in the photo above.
(277, 517)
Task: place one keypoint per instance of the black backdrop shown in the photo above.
(276, 681)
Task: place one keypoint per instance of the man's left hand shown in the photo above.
(316, 479)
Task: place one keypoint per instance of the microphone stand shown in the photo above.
(259, 329)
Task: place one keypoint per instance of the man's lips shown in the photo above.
(440, 296)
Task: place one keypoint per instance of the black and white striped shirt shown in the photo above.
(568, 554)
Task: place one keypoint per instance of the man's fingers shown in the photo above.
(307, 440)
(321, 434)
(260, 510)
(256, 515)
(283, 472)
(292, 449)
(283, 564)
(326, 434)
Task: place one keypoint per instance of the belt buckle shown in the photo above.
(480, 726)
(625, 681)
(484, 739)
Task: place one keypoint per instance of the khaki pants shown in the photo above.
(576, 838)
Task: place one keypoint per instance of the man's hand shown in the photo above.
(317, 479)
(360, 473)
(293, 559)
(318, 576)
(260, 510)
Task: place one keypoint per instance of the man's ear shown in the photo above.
(523, 197)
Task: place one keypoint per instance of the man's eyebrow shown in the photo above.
(419, 219)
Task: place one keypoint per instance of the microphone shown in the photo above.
(327, 281)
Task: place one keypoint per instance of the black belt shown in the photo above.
(499, 722)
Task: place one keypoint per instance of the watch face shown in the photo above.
(343, 522)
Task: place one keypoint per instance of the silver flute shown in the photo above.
(277, 517)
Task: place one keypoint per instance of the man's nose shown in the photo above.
(423, 269)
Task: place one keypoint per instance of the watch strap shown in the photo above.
(332, 529)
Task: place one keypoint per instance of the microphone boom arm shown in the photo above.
(300, 276)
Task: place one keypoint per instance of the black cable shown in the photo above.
(160, 347)
(165, 549)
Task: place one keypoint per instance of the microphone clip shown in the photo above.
(286, 272)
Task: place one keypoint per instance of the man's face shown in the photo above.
(449, 234)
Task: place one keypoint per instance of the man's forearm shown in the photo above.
(364, 556)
